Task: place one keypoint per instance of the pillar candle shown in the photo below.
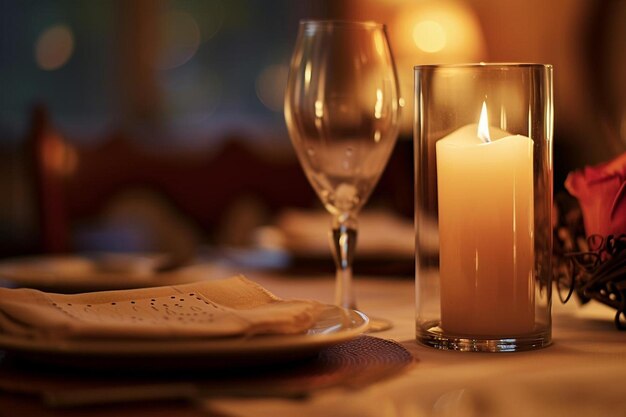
(485, 196)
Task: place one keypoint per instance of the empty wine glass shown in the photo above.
(342, 110)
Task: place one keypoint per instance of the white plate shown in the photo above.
(73, 273)
(305, 233)
(336, 325)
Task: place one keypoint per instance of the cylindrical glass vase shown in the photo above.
(483, 206)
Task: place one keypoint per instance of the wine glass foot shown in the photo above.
(378, 325)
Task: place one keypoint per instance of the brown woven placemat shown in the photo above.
(353, 364)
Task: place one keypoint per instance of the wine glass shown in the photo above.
(342, 111)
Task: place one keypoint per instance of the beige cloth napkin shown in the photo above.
(229, 307)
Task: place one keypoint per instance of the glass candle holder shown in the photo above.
(483, 206)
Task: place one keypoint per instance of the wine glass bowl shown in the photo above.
(342, 111)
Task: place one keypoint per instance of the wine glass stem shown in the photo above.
(343, 243)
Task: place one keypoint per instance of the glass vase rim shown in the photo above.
(369, 24)
(488, 65)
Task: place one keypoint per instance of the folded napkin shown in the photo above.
(229, 307)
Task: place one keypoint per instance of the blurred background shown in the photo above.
(151, 125)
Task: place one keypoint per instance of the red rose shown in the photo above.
(601, 192)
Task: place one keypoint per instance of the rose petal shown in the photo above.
(618, 212)
(575, 183)
(597, 199)
(601, 192)
(614, 167)
(617, 167)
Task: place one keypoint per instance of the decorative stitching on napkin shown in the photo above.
(231, 307)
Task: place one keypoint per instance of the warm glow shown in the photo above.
(59, 158)
(483, 125)
(307, 75)
(530, 122)
(503, 119)
(319, 109)
(437, 32)
(54, 47)
(452, 34)
(378, 107)
(379, 43)
(429, 36)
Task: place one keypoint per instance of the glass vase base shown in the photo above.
(378, 324)
(431, 334)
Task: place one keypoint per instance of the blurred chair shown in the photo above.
(207, 195)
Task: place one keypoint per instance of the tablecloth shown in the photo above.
(581, 374)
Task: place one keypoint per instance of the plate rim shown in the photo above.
(225, 347)
(16, 271)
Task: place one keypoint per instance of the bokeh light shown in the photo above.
(59, 158)
(429, 36)
(210, 18)
(439, 31)
(433, 32)
(54, 47)
(270, 86)
(192, 96)
(180, 39)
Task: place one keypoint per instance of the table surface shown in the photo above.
(581, 374)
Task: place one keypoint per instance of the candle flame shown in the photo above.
(483, 125)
